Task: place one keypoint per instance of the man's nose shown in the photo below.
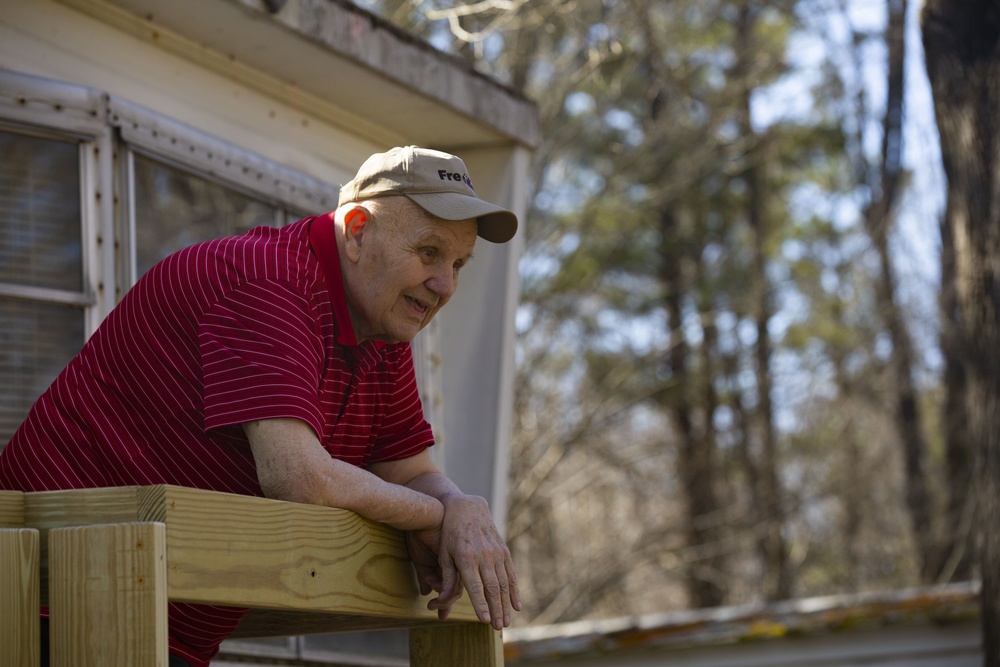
(443, 282)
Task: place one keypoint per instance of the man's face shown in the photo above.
(406, 270)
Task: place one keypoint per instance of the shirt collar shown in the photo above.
(323, 241)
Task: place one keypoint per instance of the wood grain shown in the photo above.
(11, 509)
(19, 629)
(466, 645)
(76, 507)
(108, 595)
(304, 557)
(301, 568)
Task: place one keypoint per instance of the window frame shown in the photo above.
(131, 217)
(66, 112)
(144, 132)
(80, 299)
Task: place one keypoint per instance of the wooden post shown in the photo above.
(108, 595)
(19, 628)
(456, 645)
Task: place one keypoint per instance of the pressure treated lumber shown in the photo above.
(257, 552)
(11, 509)
(448, 646)
(108, 595)
(300, 568)
(19, 597)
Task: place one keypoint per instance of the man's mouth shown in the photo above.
(417, 305)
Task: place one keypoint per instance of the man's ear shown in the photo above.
(356, 221)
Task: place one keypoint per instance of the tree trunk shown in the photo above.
(958, 545)
(879, 218)
(771, 508)
(696, 464)
(962, 46)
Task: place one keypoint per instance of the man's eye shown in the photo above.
(429, 253)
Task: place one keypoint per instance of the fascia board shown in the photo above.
(345, 57)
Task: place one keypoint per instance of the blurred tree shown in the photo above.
(958, 540)
(704, 397)
(962, 46)
(882, 179)
(767, 489)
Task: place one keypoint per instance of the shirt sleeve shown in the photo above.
(261, 353)
(404, 432)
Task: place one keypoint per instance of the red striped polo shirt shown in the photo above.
(224, 332)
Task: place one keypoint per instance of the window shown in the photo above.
(42, 292)
(67, 253)
(174, 209)
(182, 186)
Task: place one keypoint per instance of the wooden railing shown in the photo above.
(110, 559)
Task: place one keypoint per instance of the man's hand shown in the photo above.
(473, 554)
(423, 547)
(466, 550)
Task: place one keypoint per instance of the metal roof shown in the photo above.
(731, 625)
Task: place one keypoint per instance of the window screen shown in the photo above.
(37, 340)
(41, 264)
(40, 204)
(175, 209)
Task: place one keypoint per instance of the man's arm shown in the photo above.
(292, 465)
(410, 494)
(469, 548)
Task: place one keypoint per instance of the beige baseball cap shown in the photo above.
(438, 182)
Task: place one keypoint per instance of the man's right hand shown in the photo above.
(473, 555)
(423, 547)
(470, 551)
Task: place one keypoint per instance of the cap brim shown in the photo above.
(495, 223)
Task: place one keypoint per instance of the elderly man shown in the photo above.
(277, 363)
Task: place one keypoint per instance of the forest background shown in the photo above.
(746, 363)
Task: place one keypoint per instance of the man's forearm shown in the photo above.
(401, 507)
(291, 465)
(436, 485)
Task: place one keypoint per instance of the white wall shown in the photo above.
(477, 342)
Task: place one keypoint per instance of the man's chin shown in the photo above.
(393, 337)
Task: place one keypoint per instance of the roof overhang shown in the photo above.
(339, 61)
